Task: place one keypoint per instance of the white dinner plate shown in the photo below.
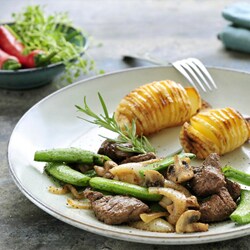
(53, 122)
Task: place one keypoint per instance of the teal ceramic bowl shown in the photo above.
(35, 77)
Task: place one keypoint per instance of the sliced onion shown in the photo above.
(149, 217)
(178, 199)
(157, 225)
(129, 172)
(74, 192)
(79, 204)
(58, 190)
(176, 186)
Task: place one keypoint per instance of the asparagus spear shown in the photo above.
(242, 213)
(236, 175)
(164, 163)
(70, 155)
(66, 174)
(123, 188)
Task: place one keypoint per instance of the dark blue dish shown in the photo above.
(35, 77)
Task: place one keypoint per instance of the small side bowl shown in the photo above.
(35, 77)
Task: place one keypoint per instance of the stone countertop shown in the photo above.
(169, 30)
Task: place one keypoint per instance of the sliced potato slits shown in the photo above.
(216, 130)
(157, 105)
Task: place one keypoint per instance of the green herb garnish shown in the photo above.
(140, 144)
(53, 34)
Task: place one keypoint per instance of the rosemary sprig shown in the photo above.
(140, 144)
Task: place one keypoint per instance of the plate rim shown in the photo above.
(186, 240)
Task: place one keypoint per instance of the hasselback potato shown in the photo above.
(214, 131)
(157, 105)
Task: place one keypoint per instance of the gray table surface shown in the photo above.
(167, 29)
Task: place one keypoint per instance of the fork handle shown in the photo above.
(127, 58)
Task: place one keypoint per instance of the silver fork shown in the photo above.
(191, 68)
(194, 71)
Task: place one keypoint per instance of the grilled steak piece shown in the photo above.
(92, 195)
(218, 207)
(117, 209)
(233, 189)
(212, 160)
(112, 150)
(208, 179)
(140, 157)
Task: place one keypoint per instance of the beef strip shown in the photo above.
(92, 195)
(212, 160)
(208, 179)
(233, 189)
(140, 157)
(117, 209)
(113, 151)
(218, 207)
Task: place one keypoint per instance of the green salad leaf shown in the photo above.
(53, 34)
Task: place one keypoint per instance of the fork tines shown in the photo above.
(196, 73)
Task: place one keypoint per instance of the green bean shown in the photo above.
(242, 213)
(70, 155)
(164, 163)
(90, 173)
(119, 187)
(236, 175)
(66, 174)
